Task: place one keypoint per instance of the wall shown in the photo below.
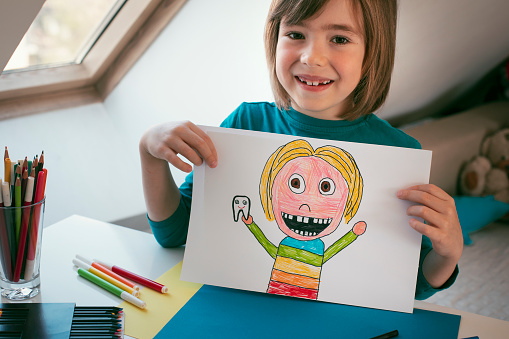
(205, 63)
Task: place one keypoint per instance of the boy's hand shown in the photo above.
(442, 226)
(167, 140)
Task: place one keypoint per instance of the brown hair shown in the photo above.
(379, 28)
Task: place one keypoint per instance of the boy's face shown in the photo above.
(308, 198)
(319, 61)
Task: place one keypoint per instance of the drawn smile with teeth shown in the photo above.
(306, 226)
(314, 83)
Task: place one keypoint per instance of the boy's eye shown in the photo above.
(340, 40)
(295, 36)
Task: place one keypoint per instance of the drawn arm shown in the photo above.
(262, 239)
(358, 229)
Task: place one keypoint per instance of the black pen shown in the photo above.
(388, 335)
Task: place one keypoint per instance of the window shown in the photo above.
(62, 33)
(84, 70)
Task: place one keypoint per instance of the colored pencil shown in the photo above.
(4, 240)
(34, 229)
(24, 230)
(7, 170)
(135, 277)
(24, 181)
(41, 162)
(11, 230)
(110, 288)
(106, 277)
(109, 272)
(17, 204)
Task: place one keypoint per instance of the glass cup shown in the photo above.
(20, 250)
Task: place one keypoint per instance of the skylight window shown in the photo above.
(63, 33)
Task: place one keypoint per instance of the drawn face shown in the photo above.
(308, 198)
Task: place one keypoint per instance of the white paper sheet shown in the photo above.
(377, 270)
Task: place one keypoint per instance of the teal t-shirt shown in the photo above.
(266, 117)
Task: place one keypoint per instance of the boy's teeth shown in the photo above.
(315, 83)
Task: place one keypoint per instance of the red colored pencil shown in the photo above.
(135, 277)
(34, 231)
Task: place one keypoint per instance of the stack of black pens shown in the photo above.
(97, 322)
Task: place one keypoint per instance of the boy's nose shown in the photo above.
(314, 55)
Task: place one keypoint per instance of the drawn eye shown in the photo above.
(244, 202)
(327, 186)
(237, 201)
(296, 183)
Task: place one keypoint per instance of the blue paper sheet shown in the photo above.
(216, 312)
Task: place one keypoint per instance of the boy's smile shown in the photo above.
(319, 61)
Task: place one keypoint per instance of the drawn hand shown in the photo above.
(359, 228)
(248, 221)
(167, 140)
(438, 209)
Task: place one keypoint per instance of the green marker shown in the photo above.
(111, 288)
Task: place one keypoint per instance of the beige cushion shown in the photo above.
(456, 139)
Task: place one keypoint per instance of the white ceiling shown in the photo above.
(443, 49)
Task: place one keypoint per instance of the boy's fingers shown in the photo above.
(423, 229)
(432, 190)
(197, 139)
(441, 203)
(206, 146)
(426, 213)
(181, 147)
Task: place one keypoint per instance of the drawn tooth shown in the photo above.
(290, 217)
(320, 221)
(241, 205)
(299, 219)
(306, 219)
(315, 220)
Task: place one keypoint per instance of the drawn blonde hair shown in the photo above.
(335, 156)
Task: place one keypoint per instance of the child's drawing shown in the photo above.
(307, 192)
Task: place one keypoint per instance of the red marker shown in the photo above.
(135, 277)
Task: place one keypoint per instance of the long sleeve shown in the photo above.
(262, 239)
(423, 289)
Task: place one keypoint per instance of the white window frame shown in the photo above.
(130, 33)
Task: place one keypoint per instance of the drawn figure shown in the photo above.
(307, 192)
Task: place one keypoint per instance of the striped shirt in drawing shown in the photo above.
(298, 263)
